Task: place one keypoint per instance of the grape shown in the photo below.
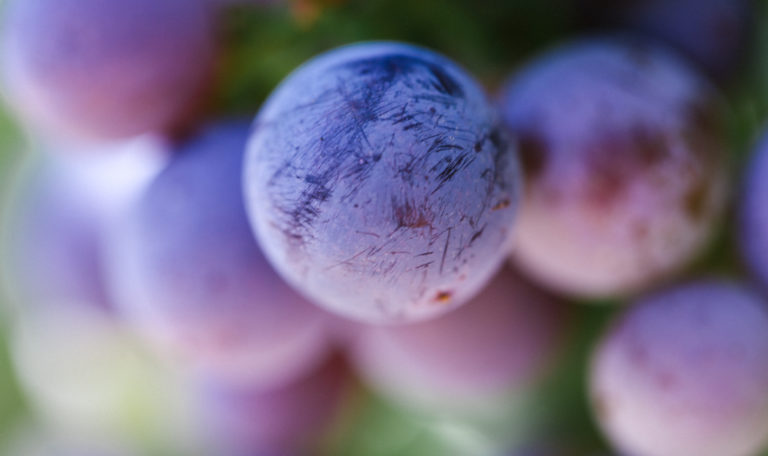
(60, 213)
(714, 34)
(498, 342)
(187, 271)
(753, 214)
(685, 372)
(379, 183)
(278, 421)
(55, 251)
(84, 374)
(37, 440)
(625, 158)
(98, 69)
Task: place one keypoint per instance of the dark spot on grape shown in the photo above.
(696, 201)
(704, 118)
(533, 154)
(503, 204)
(410, 215)
(388, 68)
(444, 297)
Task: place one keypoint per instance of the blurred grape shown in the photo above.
(715, 34)
(626, 166)
(38, 440)
(98, 69)
(284, 420)
(685, 372)
(61, 209)
(185, 268)
(258, 47)
(90, 378)
(500, 342)
(753, 213)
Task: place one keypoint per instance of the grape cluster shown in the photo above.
(385, 228)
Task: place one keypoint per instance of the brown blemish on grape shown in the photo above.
(409, 215)
(443, 297)
(503, 204)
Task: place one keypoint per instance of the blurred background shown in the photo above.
(73, 384)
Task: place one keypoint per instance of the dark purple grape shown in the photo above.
(379, 183)
(715, 34)
(625, 159)
(186, 269)
(685, 372)
(104, 68)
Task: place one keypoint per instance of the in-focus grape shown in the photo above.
(186, 269)
(685, 372)
(625, 160)
(379, 183)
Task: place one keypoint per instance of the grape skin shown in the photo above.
(625, 161)
(379, 183)
(499, 342)
(185, 269)
(102, 69)
(60, 209)
(282, 420)
(753, 214)
(714, 34)
(685, 371)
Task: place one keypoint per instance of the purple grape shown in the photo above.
(186, 269)
(685, 372)
(285, 420)
(498, 342)
(753, 214)
(379, 183)
(106, 69)
(55, 254)
(58, 218)
(625, 158)
(715, 34)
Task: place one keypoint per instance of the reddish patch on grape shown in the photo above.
(411, 216)
(444, 297)
(616, 159)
